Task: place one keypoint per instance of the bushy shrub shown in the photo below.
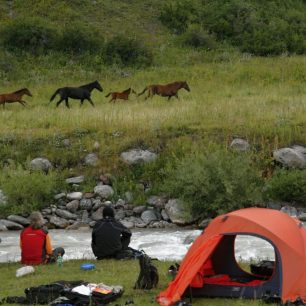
(196, 37)
(177, 15)
(26, 191)
(126, 51)
(29, 34)
(78, 38)
(214, 183)
(287, 185)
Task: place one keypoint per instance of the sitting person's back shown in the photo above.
(35, 243)
(109, 237)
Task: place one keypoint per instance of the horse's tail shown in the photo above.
(53, 96)
(108, 95)
(141, 93)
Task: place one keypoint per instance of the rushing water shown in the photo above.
(162, 244)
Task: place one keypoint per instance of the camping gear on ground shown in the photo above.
(88, 266)
(77, 293)
(148, 276)
(172, 270)
(93, 294)
(209, 268)
(129, 253)
(46, 293)
(24, 271)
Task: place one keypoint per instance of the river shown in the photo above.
(169, 245)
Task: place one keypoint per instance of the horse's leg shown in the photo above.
(90, 101)
(21, 102)
(66, 102)
(82, 101)
(24, 103)
(176, 96)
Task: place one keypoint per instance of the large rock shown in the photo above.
(148, 216)
(74, 195)
(104, 191)
(239, 144)
(77, 225)
(73, 206)
(91, 159)
(128, 224)
(65, 214)
(138, 210)
(157, 201)
(18, 219)
(86, 204)
(178, 213)
(137, 156)
(3, 228)
(10, 225)
(58, 222)
(294, 157)
(41, 164)
(97, 215)
(75, 180)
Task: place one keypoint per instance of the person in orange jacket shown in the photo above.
(35, 243)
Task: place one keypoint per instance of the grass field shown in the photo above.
(109, 272)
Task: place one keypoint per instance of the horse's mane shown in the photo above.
(20, 90)
(127, 90)
(89, 84)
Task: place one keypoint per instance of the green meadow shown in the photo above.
(109, 272)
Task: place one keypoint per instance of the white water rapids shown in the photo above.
(162, 244)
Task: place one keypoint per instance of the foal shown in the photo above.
(124, 95)
(15, 96)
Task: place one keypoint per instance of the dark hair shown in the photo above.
(108, 212)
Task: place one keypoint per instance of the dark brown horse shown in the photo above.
(168, 90)
(15, 96)
(124, 95)
(81, 93)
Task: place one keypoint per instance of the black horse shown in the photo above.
(82, 93)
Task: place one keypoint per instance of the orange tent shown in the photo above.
(215, 248)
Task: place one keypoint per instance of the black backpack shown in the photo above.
(148, 277)
(44, 294)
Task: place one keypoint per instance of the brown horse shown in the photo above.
(15, 96)
(168, 90)
(124, 95)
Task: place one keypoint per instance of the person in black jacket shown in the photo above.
(110, 238)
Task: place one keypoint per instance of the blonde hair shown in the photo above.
(36, 220)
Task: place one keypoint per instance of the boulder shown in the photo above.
(148, 216)
(138, 210)
(74, 195)
(18, 219)
(91, 159)
(239, 144)
(86, 204)
(302, 217)
(10, 225)
(178, 213)
(3, 228)
(290, 210)
(120, 214)
(73, 206)
(97, 215)
(104, 191)
(58, 222)
(291, 157)
(41, 164)
(60, 196)
(164, 215)
(137, 156)
(96, 203)
(75, 180)
(65, 214)
(157, 201)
